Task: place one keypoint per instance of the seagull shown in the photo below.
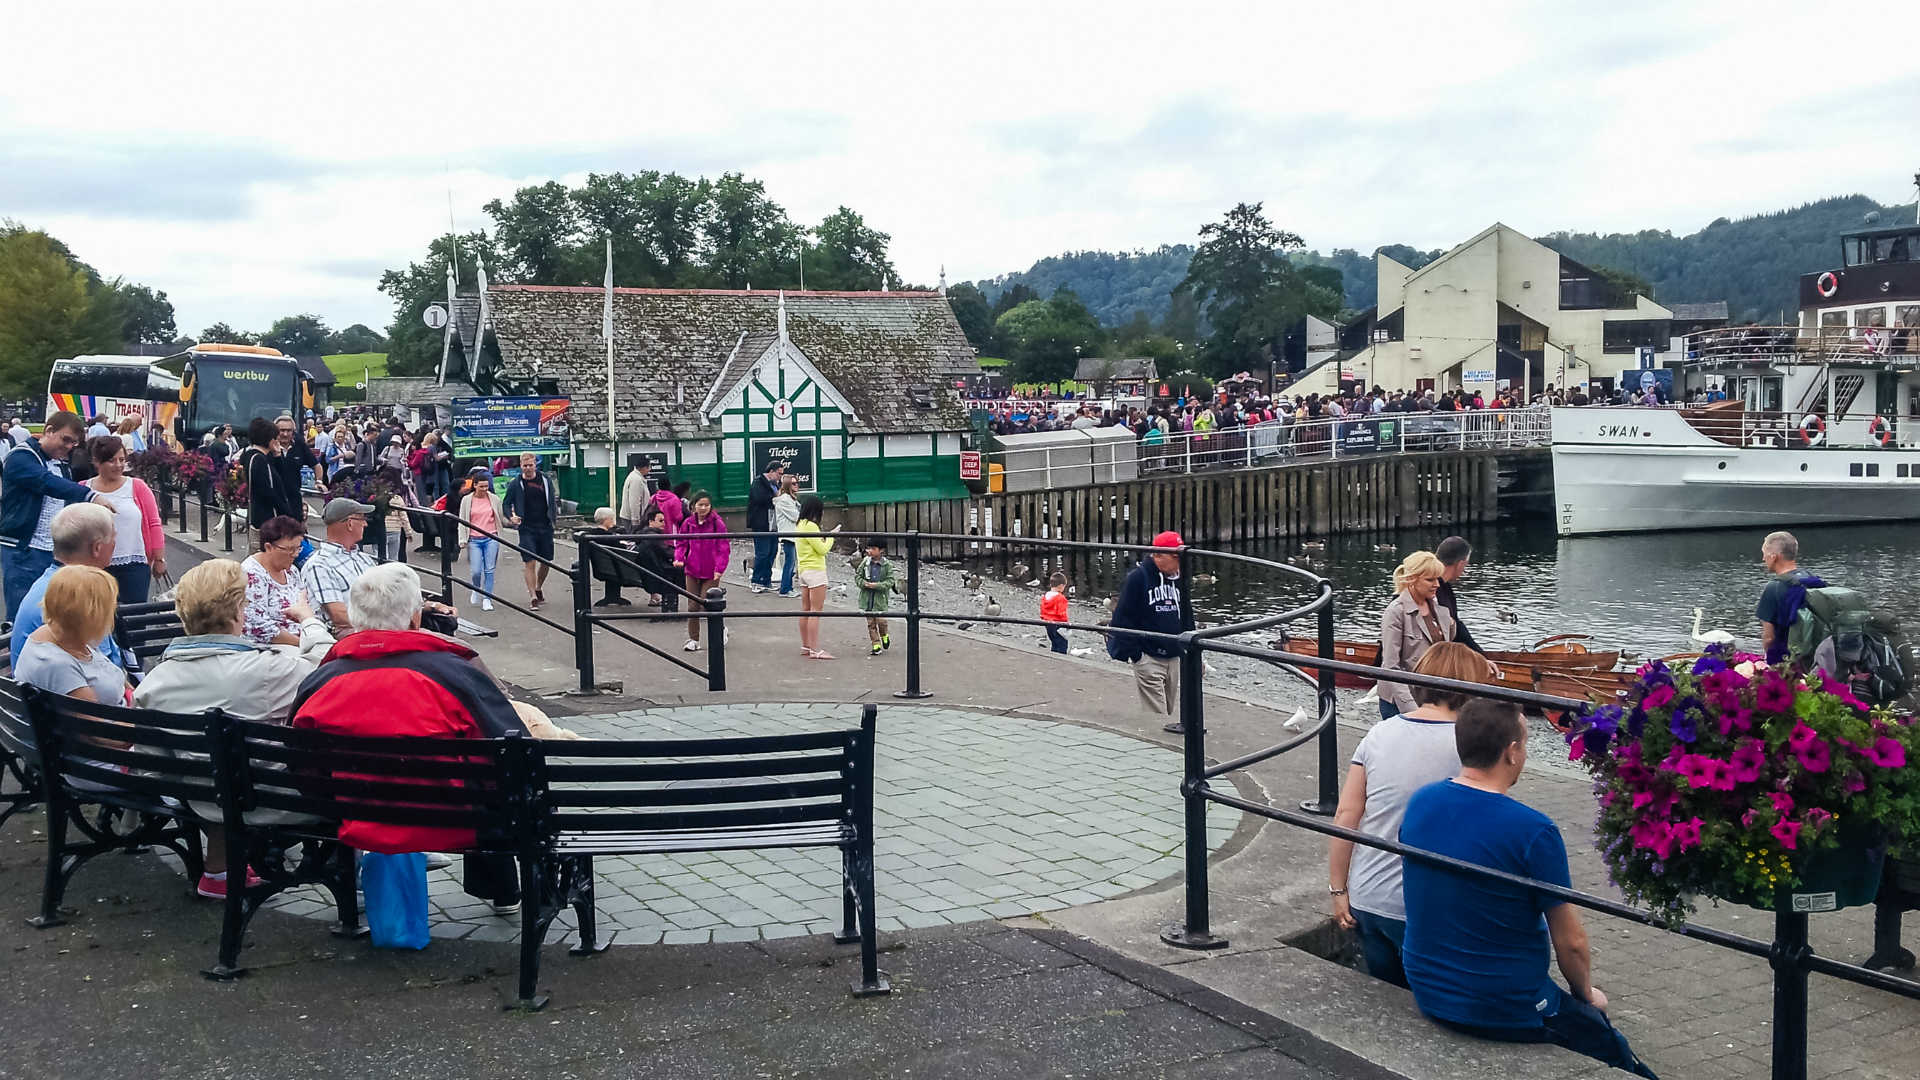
(1385, 547)
(1034, 583)
(1110, 603)
(1313, 545)
(1018, 570)
(1298, 720)
(993, 608)
(1082, 652)
(1506, 616)
(972, 582)
(1710, 637)
(1203, 579)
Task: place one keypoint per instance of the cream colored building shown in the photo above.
(1500, 308)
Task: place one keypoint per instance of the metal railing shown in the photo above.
(1276, 442)
(1805, 345)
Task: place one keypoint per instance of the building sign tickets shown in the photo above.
(797, 454)
(494, 426)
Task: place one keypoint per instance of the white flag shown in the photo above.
(606, 318)
(480, 324)
(446, 334)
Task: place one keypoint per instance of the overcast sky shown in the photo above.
(256, 160)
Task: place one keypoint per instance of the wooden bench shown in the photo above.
(281, 795)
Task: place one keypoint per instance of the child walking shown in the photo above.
(1053, 609)
(876, 594)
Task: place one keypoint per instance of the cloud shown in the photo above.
(50, 174)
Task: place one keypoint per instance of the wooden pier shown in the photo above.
(1361, 494)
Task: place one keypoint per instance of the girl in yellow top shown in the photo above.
(810, 553)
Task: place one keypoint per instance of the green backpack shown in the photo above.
(1867, 643)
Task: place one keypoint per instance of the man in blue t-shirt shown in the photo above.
(1476, 950)
(1780, 601)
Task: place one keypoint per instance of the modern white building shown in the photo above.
(1501, 308)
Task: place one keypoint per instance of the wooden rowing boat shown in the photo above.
(1519, 669)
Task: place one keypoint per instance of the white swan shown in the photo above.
(1709, 637)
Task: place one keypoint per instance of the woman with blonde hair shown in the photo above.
(1398, 757)
(1413, 623)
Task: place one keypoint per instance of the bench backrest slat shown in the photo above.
(387, 781)
(688, 748)
(623, 821)
(562, 771)
(440, 767)
(694, 796)
(166, 754)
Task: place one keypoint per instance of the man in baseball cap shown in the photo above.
(1150, 600)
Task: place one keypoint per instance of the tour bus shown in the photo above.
(232, 384)
(114, 387)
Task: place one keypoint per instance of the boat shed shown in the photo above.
(853, 390)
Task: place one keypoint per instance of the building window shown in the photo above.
(1626, 335)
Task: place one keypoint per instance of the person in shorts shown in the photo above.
(533, 505)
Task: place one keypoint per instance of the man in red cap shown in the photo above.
(1150, 600)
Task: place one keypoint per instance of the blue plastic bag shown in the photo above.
(396, 888)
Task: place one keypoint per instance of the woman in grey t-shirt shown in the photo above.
(1398, 757)
(60, 657)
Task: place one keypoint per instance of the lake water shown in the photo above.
(1634, 592)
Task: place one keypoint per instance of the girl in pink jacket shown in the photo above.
(701, 550)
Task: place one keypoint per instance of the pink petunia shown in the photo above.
(1654, 836)
(1787, 832)
(1854, 783)
(1701, 770)
(1816, 817)
(1815, 756)
(1773, 694)
(1887, 753)
(1802, 737)
(1657, 697)
(1576, 748)
(1748, 759)
(1687, 833)
(1782, 802)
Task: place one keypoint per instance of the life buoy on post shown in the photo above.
(1813, 429)
(1881, 431)
(1827, 284)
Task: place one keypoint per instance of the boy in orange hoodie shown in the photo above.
(1053, 609)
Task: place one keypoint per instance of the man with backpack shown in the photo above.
(1780, 601)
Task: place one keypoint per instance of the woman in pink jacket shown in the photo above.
(701, 550)
(672, 502)
(140, 544)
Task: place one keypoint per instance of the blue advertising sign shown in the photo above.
(1661, 379)
(495, 426)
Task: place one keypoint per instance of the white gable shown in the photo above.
(782, 369)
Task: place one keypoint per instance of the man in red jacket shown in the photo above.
(391, 678)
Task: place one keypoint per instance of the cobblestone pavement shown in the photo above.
(976, 816)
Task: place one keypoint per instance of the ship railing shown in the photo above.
(1805, 344)
(1797, 431)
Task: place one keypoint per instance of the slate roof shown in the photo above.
(747, 353)
(1096, 368)
(670, 346)
(466, 318)
(1707, 312)
(416, 390)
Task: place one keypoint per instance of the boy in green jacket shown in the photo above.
(876, 593)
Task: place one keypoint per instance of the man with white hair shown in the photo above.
(389, 677)
(83, 535)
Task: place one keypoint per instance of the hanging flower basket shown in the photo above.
(1725, 778)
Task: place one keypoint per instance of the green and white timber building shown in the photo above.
(855, 390)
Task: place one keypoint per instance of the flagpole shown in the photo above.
(606, 331)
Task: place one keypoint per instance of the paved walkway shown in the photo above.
(977, 816)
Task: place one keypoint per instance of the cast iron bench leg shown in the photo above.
(581, 884)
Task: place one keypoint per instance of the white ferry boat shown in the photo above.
(1821, 423)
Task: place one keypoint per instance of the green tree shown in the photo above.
(971, 312)
(539, 235)
(1182, 321)
(226, 335)
(48, 309)
(674, 211)
(413, 348)
(146, 316)
(298, 335)
(1012, 298)
(358, 338)
(610, 205)
(1248, 289)
(748, 236)
(846, 254)
(1046, 338)
(1622, 285)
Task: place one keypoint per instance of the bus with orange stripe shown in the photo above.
(231, 384)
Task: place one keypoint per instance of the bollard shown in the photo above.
(226, 531)
(1788, 958)
(446, 566)
(183, 511)
(1329, 798)
(203, 521)
(913, 689)
(717, 632)
(1195, 933)
(582, 622)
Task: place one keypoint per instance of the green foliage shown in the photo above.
(358, 338)
(848, 255)
(350, 368)
(50, 307)
(226, 335)
(748, 235)
(1753, 263)
(539, 234)
(1249, 290)
(298, 335)
(1048, 337)
(1113, 284)
(413, 348)
(146, 316)
(970, 310)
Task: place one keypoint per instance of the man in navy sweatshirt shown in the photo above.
(36, 483)
(1150, 600)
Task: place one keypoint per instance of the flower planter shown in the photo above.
(1847, 876)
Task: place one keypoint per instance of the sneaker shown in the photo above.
(215, 888)
(691, 646)
(886, 641)
(473, 599)
(486, 604)
(534, 604)
(757, 589)
(507, 909)
(875, 651)
(788, 595)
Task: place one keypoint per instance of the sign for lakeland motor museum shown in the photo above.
(495, 426)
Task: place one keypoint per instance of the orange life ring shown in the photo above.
(1813, 429)
(1827, 284)
(1881, 431)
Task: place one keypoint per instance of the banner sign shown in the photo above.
(1367, 436)
(796, 453)
(496, 426)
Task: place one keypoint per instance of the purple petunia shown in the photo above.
(1748, 759)
(1787, 832)
(1887, 753)
(1773, 695)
